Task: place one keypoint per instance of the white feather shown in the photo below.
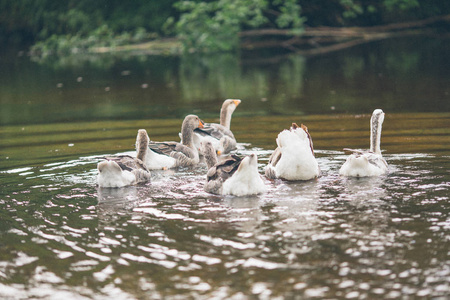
(156, 161)
(297, 160)
(111, 175)
(358, 165)
(246, 180)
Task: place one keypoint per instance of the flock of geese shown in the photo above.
(229, 174)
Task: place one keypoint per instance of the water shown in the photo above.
(397, 75)
(384, 237)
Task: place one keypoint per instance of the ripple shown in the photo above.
(158, 213)
(143, 259)
(17, 170)
(365, 237)
(218, 242)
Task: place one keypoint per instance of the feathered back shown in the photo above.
(110, 166)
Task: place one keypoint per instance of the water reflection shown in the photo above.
(394, 74)
(114, 203)
(221, 77)
(363, 190)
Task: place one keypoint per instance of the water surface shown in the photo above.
(384, 237)
(402, 75)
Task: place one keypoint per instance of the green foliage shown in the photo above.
(208, 25)
(392, 5)
(102, 36)
(290, 14)
(214, 25)
(39, 20)
(352, 9)
(355, 8)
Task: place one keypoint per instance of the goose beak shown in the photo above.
(201, 124)
(218, 152)
(236, 102)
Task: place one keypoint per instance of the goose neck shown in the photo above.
(375, 134)
(225, 117)
(187, 136)
(142, 145)
(210, 157)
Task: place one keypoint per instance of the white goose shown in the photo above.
(233, 175)
(371, 162)
(166, 155)
(123, 170)
(293, 159)
(220, 135)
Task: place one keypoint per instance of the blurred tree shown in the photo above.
(31, 21)
(214, 25)
(208, 25)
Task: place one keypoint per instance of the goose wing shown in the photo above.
(126, 162)
(308, 135)
(225, 168)
(275, 157)
(164, 148)
(222, 129)
(376, 160)
(172, 149)
(214, 130)
(209, 131)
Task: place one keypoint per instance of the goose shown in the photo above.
(293, 159)
(166, 155)
(220, 135)
(123, 170)
(232, 175)
(371, 162)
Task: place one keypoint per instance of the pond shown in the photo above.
(334, 237)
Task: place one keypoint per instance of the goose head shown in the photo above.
(227, 110)
(190, 123)
(230, 104)
(377, 117)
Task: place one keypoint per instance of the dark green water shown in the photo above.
(406, 75)
(386, 237)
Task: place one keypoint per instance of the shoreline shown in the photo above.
(164, 46)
